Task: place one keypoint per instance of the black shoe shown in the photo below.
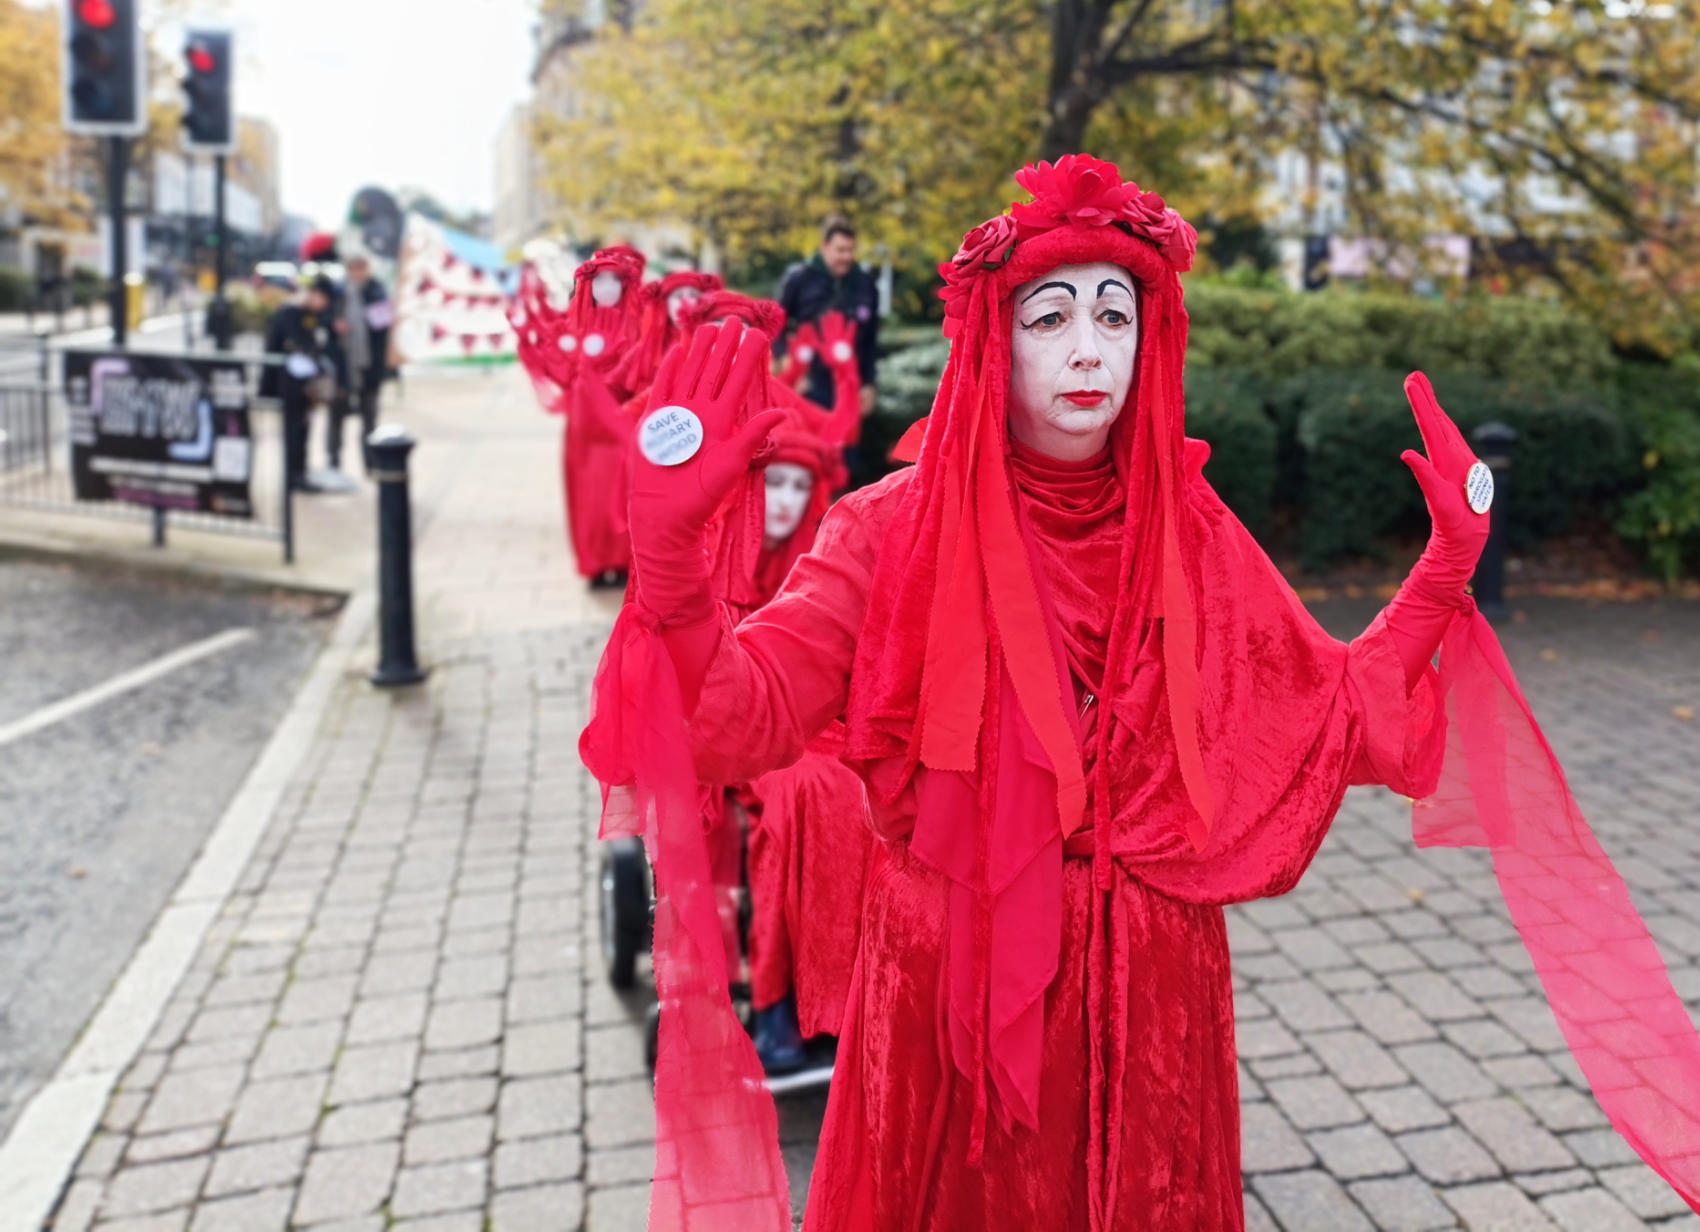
(609, 579)
(779, 1039)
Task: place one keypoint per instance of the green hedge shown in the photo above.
(14, 290)
(1225, 408)
(1660, 410)
(1570, 455)
(1283, 334)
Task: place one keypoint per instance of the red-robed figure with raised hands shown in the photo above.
(1089, 713)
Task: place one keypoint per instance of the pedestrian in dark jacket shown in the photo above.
(301, 332)
(363, 322)
(830, 280)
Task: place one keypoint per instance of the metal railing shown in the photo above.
(35, 466)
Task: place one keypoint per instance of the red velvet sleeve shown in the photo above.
(783, 674)
(1401, 738)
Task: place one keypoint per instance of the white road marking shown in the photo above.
(135, 678)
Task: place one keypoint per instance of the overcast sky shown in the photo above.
(385, 92)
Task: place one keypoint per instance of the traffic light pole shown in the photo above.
(117, 175)
(220, 308)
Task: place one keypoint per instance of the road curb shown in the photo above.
(16, 544)
(41, 1152)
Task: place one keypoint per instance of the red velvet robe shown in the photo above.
(809, 847)
(1138, 1104)
(593, 473)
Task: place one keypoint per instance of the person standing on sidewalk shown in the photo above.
(302, 333)
(832, 281)
(363, 326)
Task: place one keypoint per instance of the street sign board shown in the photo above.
(160, 430)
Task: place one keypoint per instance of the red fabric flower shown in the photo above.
(987, 246)
(1076, 188)
(1175, 239)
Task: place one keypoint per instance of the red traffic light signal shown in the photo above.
(96, 13)
(209, 121)
(102, 68)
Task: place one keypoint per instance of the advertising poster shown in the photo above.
(160, 431)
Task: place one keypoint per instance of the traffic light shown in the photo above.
(209, 121)
(103, 68)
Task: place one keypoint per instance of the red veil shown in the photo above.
(656, 331)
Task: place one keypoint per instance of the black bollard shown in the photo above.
(1494, 442)
(397, 663)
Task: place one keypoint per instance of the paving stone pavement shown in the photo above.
(399, 1020)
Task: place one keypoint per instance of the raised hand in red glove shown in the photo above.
(838, 349)
(1458, 489)
(691, 450)
(805, 345)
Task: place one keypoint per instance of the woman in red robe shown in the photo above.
(1089, 713)
(809, 834)
(600, 326)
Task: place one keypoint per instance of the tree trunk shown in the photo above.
(1072, 92)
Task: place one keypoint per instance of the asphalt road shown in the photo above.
(103, 811)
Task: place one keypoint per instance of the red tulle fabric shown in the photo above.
(718, 1167)
(1503, 789)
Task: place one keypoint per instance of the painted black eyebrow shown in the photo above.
(1115, 282)
(1069, 287)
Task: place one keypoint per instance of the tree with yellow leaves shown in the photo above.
(32, 144)
(1559, 136)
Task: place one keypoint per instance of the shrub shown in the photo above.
(1354, 425)
(1224, 408)
(14, 290)
(1282, 334)
(1661, 413)
(87, 286)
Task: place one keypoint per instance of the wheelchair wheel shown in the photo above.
(624, 892)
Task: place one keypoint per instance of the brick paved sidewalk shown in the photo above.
(400, 1020)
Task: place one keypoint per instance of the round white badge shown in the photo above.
(568, 343)
(806, 354)
(670, 436)
(840, 352)
(594, 344)
(1478, 487)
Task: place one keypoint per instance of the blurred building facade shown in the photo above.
(560, 38)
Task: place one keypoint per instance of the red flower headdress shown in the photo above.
(760, 314)
(1076, 191)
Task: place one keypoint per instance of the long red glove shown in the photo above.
(672, 504)
(1432, 595)
(838, 349)
(805, 345)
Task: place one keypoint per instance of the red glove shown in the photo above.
(1436, 588)
(805, 345)
(671, 504)
(838, 349)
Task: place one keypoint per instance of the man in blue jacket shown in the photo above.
(830, 280)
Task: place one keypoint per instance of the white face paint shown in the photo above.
(1074, 340)
(789, 487)
(677, 300)
(606, 289)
